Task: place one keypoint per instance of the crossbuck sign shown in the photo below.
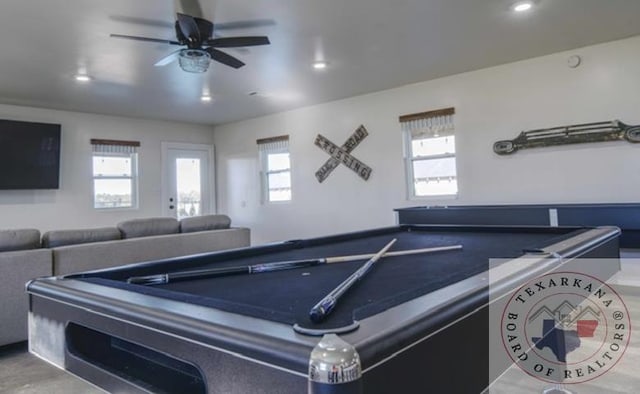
(342, 154)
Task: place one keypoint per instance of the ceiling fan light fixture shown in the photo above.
(205, 98)
(194, 60)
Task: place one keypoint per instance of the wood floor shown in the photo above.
(23, 373)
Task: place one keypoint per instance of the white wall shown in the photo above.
(71, 206)
(491, 104)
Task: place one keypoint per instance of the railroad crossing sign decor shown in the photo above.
(342, 154)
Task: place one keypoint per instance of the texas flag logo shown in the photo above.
(561, 334)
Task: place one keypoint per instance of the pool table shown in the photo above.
(418, 323)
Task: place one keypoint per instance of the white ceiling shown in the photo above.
(371, 45)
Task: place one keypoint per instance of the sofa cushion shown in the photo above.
(53, 239)
(88, 257)
(147, 227)
(19, 239)
(204, 223)
(16, 269)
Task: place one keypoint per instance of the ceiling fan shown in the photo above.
(197, 35)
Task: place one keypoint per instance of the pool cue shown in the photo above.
(159, 279)
(326, 305)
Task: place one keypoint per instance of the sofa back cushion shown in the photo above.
(79, 258)
(204, 223)
(147, 227)
(21, 239)
(53, 239)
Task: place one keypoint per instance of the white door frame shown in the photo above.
(166, 146)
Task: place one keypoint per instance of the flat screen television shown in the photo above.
(29, 155)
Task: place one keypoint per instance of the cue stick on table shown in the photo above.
(159, 279)
(326, 305)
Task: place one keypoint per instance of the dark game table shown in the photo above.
(419, 323)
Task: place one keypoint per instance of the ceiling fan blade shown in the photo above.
(247, 24)
(236, 50)
(232, 42)
(189, 27)
(170, 58)
(137, 38)
(204, 27)
(224, 58)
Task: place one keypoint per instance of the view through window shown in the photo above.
(434, 166)
(188, 183)
(430, 153)
(276, 168)
(279, 176)
(114, 176)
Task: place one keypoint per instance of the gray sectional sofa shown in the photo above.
(25, 255)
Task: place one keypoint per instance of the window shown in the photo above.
(115, 174)
(430, 153)
(276, 168)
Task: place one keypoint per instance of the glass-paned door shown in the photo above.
(188, 182)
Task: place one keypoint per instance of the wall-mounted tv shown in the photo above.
(29, 155)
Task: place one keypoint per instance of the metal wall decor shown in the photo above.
(574, 134)
(343, 155)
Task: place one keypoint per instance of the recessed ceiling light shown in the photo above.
(320, 65)
(522, 6)
(205, 98)
(83, 78)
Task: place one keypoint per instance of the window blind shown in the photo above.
(273, 144)
(114, 146)
(431, 124)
